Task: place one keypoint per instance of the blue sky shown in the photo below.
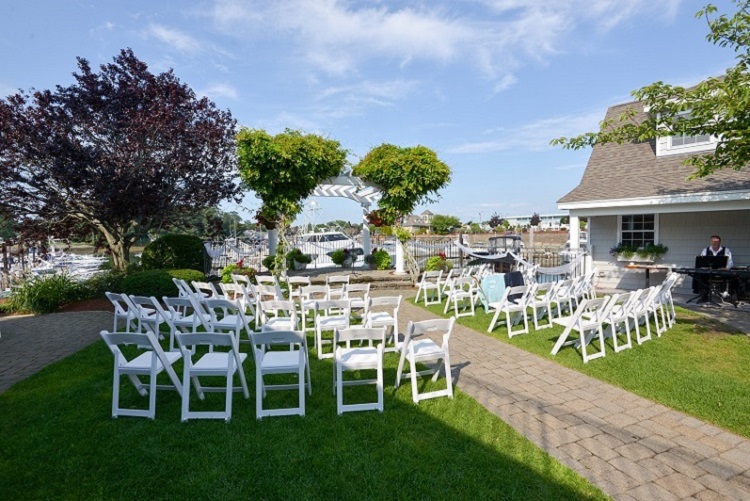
(485, 83)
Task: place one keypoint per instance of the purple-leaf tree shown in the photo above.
(120, 150)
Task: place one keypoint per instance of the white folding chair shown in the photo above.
(617, 321)
(423, 350)
(205, 290)
(294, 286)
(228, 317)
(124, 312)
(358, 358)
(268, 288)
(148, 317)
(183, 288)
(358, 295)
(463, 293)
(277, 315)
(241, 295)
(383, 312)
(150, 361)
(587, 320)
(330, 315)
(540, 302)
(430, 287)
(513, 309)
(336, 285)
(211, 364)
(641, 311)
(184, 314)
(280, 352)
(563, 299)
(309, 295)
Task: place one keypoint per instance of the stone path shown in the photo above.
(630, 447)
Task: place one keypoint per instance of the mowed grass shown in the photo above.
(59, 441)
(699, 366)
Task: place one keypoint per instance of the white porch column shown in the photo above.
(575, 233)
(365, 231)
(400, 258)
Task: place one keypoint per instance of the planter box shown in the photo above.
(635, 258)
(300, 266)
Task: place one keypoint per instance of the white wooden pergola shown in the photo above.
(357, 190)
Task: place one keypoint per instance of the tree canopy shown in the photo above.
(121, 150)
(443, 224)
(718, 107)
(408, 177)
(285, 169)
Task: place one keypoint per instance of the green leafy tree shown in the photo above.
(443, 225)
(716, 107)
(283, 170)
(408, 176)
(121, 151)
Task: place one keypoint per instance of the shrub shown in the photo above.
(437, 263)
(268, 262)
(103, 282)
(237, 269)
(379, 259)
(45, 294)
(157, 283)
(174, 252)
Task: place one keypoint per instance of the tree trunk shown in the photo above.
(120, 255)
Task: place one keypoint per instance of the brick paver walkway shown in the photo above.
(630, 447)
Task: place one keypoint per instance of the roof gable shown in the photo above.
(632, 170)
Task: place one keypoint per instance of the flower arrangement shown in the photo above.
(237, 268)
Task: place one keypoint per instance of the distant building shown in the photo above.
(420, 222)
(547, 221)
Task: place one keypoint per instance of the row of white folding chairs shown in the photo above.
(613, 316)
(433, 286)
(293, 358)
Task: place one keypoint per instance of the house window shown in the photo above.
(688, 140)
(638, 229)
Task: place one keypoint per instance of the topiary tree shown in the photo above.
(174, 252)
(407, 177)
(283, 170)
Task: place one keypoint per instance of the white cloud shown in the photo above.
(495, 36)
(177, 40)
(217, 90)
(533, 136)
(378, 92)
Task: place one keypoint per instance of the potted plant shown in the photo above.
(297, 260)
(379, 259)
(343, 257)
(646, 254)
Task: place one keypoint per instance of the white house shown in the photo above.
(639, 192)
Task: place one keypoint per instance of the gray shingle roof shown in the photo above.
(631, 170)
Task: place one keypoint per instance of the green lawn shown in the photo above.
(59, 441)
(699, 367)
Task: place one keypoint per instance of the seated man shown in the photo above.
(715, 256)
(716, 249)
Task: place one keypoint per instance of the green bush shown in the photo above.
(173, 252)
(236, 269)
(379, 259)
(46, 294)
(104, 281)
(157, 283)
(268, 262)
(437, 263)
